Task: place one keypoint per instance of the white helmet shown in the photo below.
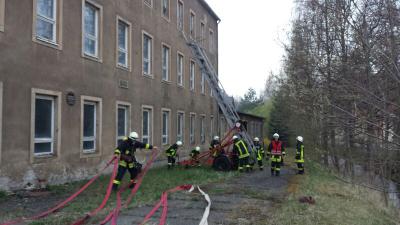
(300, 138)
(256, 139)
(216, 138)
(197, 148)
(276, 135)
(235, 137)
(179, 143)
(133, 135)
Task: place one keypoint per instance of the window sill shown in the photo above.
(46, 43)
(166, 82)
(127, 69)
(166, 19)
(181, 86)
(44, 156)
(90, 154)
(150, 76)
(92, 58)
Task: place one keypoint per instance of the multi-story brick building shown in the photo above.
(78, 75)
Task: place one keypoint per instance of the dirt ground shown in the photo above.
(245, 200)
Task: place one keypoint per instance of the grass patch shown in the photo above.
(154, 183)
(336, 202)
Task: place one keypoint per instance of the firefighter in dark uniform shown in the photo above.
(299, 158)
(276, 150)
(215, 143)
(259, 150)
(127, 161)
(172, 152)
(194, 155)
(241, 150)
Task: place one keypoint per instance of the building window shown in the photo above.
(202, 132)
(123, 113)
(165, 9)
(123, 43)
(147, 125)
(192, 75)
(202, 33)
(222, 127)
(192, 24)
(165, 62)
(211, 41)
(180, 126)
(89, 126)
(91, 31)
(180, 15)
(149, 3)
(192, 125)
(211, 127)
(202, 83)
(147, 54)
(165, 126)
(180, 69)
(2, 13)
(46, 20)
(44, 124)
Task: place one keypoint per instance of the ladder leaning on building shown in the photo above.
(224, 101)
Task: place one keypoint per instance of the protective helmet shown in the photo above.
(197, 148)
(256, 139)
(216, 138)
(300, 138)
(276, 135)
(133, 135)
(179, 143)
(235, 137)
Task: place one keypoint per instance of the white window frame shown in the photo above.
(192, 75)
(192, 128)
(211, 44)
(167, 66)
(202, 33)
(98, 30)
(180, 19)
(91, 138)
(2, 16)
(52, 21)
(150, 123)
(202, 129)
(169, 10)
(55, 96)
(167, 135)
(149, 3)
(192, 24)
(127, 107)
(128, 40)
(98, 127)
(182, 81)
(182, 131)
(51, 138)
(203, 84)
(150, 52)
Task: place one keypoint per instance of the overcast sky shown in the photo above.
(250, 41)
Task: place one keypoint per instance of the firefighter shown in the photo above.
(276, 150)
(195, 155)
(259, 150)
(214, 145)
(241, 150)
(172, 153)
(127, 161)
(299, 159)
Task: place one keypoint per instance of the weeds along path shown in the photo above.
(247, 199)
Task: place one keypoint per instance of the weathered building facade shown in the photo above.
(78, 75)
